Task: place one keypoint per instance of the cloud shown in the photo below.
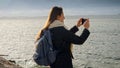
(42, 7)
(14, 13)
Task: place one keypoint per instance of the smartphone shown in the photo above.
(83, 20)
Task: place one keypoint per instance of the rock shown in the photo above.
(12, 61)
(7, 64)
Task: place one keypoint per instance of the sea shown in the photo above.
(100, 50)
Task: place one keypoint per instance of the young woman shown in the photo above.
(62, 38)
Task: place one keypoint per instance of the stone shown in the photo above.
(7, 64)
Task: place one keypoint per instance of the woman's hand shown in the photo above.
(79, 23)
(86, 24)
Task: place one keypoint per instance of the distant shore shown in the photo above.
(68, 16)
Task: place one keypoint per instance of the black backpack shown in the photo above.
(45, 54)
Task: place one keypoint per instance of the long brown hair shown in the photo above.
(55, 11)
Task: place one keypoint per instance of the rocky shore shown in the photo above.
(8, 63)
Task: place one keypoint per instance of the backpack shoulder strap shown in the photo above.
(48, 36)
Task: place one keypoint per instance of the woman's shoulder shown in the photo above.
(60, 28)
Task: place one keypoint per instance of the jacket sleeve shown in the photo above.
(72, 38)
(74, 29)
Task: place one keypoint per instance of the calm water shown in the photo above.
(101, 50)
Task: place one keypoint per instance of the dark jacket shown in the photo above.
(62, 39)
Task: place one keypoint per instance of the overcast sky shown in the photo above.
(70, 7)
